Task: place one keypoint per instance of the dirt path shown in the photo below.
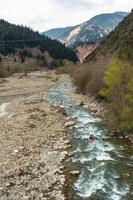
(33, 140)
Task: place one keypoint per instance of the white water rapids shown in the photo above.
(106, 167)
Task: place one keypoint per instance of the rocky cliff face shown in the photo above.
(85, 50)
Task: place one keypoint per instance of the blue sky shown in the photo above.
(46, 14)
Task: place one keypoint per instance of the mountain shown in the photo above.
(57, 32)
(13, 37)
(123, 14)
(91, 31)
(119, 42)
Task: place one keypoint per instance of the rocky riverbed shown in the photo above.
(33, 141)
(34, 138)
(88, 102)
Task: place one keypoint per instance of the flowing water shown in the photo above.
(106, 167)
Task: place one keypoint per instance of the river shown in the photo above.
(106, 167)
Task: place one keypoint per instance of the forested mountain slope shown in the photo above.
(13, 37)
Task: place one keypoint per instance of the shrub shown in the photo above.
(89, 77)
(81, 77)
(118, 90)
(66, 68)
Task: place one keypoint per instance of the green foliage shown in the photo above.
(13, 37)
(111, 78)
(118, 90)
(66, 68)
(127, 118)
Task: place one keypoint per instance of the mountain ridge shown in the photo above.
(92, 30)
(119, 41)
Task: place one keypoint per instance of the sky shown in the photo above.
(43, 15)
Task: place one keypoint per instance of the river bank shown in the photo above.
(34, 146)
(97, 108)
(88, 102)
(34, 140)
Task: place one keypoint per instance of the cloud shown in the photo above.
(45, 14)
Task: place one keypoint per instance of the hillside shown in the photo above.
(91, 31)
(13, 37)
(119, 42)
(108, 75)
(57, 33)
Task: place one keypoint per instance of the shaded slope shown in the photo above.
(13, 37)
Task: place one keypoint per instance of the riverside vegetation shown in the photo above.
(107, 74)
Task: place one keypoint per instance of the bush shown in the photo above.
(89, 77)
(81, 77)
(118, 90)
(66, 68)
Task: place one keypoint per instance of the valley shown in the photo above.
(66, 100)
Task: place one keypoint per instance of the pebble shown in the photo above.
(70, 123)
(75, 172)
(16, 151)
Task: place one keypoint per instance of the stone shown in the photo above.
(26, 198)
(40, 195)
(16, 151)
(70, 123)
(1, 189)
(106, 137)
(75, 172)
(8, 184)
(85, 106)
